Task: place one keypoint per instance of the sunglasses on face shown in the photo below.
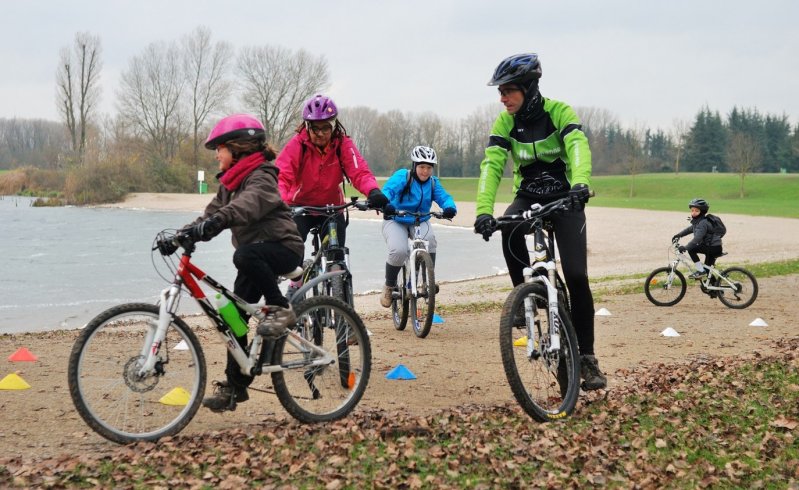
(504, 92)
(321, 129)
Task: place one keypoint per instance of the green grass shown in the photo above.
(765, 194)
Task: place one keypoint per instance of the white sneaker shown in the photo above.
(385, 298)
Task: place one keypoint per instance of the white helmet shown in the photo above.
(424, 154)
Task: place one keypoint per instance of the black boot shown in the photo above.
(225, 397)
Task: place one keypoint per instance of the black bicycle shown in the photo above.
(540, 354)
(328, 256)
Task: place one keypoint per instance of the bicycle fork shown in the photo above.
(553, 345)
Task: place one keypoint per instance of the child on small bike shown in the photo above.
(705, 241)
(265, 236)
(414, 190)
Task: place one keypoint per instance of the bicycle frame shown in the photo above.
(543, 268)
(191, 276)
(416, 244)
(707, 285)
(327, 251)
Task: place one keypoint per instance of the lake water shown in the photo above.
(62, 266)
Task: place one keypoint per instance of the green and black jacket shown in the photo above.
(550, 154)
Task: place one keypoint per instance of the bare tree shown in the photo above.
(476, 129)
(360, 123)
(428, 132)
(205, 65)
(743, 155)
(150, 97)
(392, 139)
(275, 82)
(635, 157)
(78, 89)
(679, 134)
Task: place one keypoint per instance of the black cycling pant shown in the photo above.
(259, 264)
(571, 239)
(305, 223)
(712, 252)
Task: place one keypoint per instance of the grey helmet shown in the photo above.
(699, 204)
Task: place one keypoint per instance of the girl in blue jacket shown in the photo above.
(412, 190)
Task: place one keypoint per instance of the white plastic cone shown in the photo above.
(669, 332)
(182, 345)
(758, 322)
(602, 312)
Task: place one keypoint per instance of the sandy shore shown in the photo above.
(620, 241)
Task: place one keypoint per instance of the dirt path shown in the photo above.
(459, 362)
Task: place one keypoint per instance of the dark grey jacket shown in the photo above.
(703, 233)
(255, 212)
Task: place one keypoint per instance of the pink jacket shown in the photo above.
(316, 181)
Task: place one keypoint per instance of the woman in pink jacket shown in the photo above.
(315, 162)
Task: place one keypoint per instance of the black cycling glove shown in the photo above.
(389, 211)
(377, 200)
(485, 224)
(449, 213)
(206, 229)
(166, 246)
(579, 195)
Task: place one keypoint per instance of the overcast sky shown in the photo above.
(645, 61)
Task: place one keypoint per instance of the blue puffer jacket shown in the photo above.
(420, 197)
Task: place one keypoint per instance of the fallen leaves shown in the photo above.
(729, 422)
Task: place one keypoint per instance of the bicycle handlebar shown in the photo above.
(329, 209)
(435, 214)
(536, 211)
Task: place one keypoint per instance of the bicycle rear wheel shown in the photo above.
(665, 287)
(110, 395)
(546, 384)
(423, 303)
(740, 288)
(329, 392)
(400, 304)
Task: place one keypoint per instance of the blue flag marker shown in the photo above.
(437, 319)
(400, 372)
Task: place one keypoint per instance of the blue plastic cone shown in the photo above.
(400, 372)
(437, 319)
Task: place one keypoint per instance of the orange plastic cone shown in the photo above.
(22, 355)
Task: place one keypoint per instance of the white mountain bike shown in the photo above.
(416, 290)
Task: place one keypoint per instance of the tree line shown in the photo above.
(173, 91)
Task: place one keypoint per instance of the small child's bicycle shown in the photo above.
(137, 371)
(417, 288)
(735, 287)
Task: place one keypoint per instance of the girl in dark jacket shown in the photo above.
(264, 235)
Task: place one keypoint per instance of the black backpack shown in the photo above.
(718, 226)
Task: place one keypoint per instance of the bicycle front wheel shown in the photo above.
(423, 303)
(400, 304)
(111, 394)
(665, 286)
(321, 393)
(739, 288)
(544, 380)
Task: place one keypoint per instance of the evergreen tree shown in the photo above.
(706, 145)
(777, 148)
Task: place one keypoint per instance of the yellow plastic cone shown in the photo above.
(13, 382)
(522, 342)
(177, 397)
